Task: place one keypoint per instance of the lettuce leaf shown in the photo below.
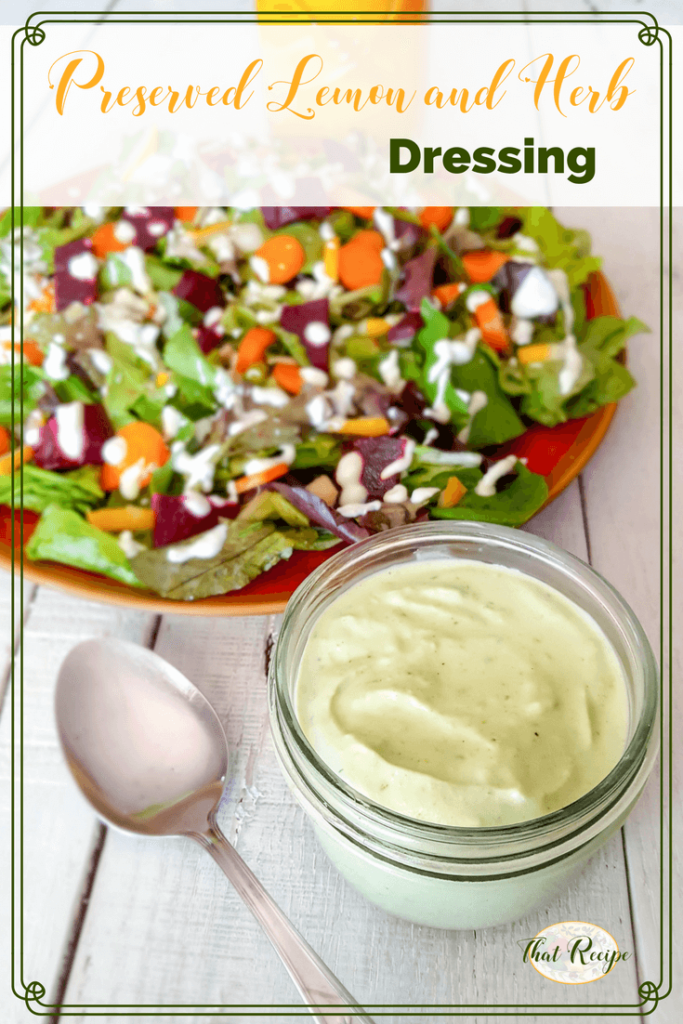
(604, 339)
(78, 489)
(32, 217)
(249, 550)
(31, 382)
(321, 451)
(510, 507)
(484, 217)
(130, 387)
(602, 380)
(436, 328)
(497, 422)
(183, 354)
(561, 247)
(64, 536)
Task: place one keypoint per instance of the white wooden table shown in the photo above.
(121, 921)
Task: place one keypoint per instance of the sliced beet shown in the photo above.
(48, 453)
(378, 453)
(508, 279)
(320, 513)
(174, 521)
(75, 273)
(202, 291)
(297, 318)
(418, 275)
(406, 328)
(150, 223)
(279, 216)
(208, 339)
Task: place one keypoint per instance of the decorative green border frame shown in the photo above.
(651, 994)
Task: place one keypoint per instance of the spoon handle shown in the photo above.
(316, 983)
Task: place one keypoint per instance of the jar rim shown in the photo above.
(547, 830)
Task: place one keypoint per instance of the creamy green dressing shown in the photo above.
(462, 693)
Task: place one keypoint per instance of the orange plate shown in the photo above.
(560, 453)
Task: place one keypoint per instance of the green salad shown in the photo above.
(201, 392)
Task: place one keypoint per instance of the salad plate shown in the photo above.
(412, 411)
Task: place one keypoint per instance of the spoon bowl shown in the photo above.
(144, 744)
(149, 753)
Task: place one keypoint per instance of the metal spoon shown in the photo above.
(149, 753)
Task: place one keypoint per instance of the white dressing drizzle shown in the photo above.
(70, 430)
(395, 495)
(350, 511)
(486, 488)
(207, 545)
(402, 463)
(348, 473)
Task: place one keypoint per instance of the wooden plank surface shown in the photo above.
(59, 830)
(621, 485)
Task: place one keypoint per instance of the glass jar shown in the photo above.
(445, 876)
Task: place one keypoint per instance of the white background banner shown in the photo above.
(248, 114)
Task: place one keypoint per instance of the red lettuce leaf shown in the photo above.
(406, 328)
(418, 275)
(279, 216)
(320, 513)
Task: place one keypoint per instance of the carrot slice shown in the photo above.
(535, 353)
(143, 442)
(490, 323)
(287, 375)
(115, 520)
(360, 263)
(368, 237)
(185, 213)
(253, 346)
(439, 216)
(4, 441)
(15, 459)
(452, 493)
(447, 293)
(483, 264)
(33, 353)
(284, 256)
(365, 212)
(366, 426)
(105, 241)
(248, 483)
